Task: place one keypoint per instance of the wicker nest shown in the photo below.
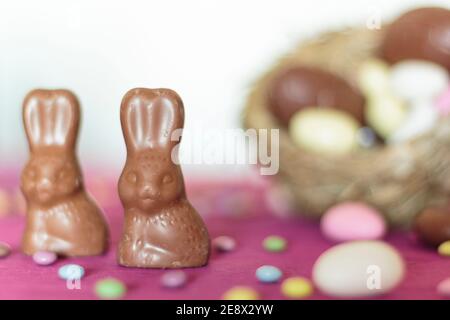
(400, 180)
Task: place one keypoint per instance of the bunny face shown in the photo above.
(151, 180)
(50, 177)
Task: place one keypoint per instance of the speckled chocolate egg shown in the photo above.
(300, 87)
(419, 34)
(432, 226)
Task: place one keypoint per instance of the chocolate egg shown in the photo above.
(419, 34)
(301, 87)
(432, 226)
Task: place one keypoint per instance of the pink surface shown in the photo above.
(247, 221)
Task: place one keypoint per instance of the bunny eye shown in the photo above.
(132, 177)
(167, 179)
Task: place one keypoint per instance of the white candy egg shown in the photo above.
(416, 79)
(421, 118)
(385, 114)
(324, 130)
(358, 269)
(373, 77)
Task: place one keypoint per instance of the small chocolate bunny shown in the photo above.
(161, 228)
(61, 216)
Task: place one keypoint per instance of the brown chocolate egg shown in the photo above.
(419, 34)
(302, 87)
(432, 226)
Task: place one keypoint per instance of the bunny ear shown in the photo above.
(149, 117)
(51, 118)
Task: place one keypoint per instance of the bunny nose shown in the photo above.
(148, 192)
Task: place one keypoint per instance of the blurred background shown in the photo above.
(209, 51)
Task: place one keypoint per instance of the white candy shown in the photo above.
(385, 114)
(416, 80)
(373, 77)
(324, 130)
(358, 269)
(421, 118)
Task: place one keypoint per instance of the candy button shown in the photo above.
(44, 258)
(241, 293)
(109, 288)
(5, 250)
(444, 249)
(71, 272)
(443, 288)
(224, 243)
(274, 244)
(268, 274)
(174, 279)
(297, 288)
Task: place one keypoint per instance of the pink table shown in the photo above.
(20, 278)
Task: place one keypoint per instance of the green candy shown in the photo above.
(110, 288)
(274, 244)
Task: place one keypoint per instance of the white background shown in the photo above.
(209, 51)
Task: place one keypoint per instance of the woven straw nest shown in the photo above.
(400, 180)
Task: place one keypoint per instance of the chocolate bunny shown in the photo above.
(61, 216)
(161, 228)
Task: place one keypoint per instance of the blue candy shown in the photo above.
(71, 272)
(268, 274)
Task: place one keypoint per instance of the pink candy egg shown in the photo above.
(44, 258)
(352, 221)
(443, 102)
(443, 288)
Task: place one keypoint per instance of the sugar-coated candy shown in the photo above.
(241, 293)
(414, 80)
(366, 137)
(44, 258)
(432, 225)
(274, 243)
(110, 289)
(224, 243)
(5, 249)
(373, 77)
(174, 279)
(352, 221)
(421, 118)
(324, 130)
(297, 288)
(71, 272)
(443, 287)
(442, 103)
(385, 114)
(358, 269)
(268, 274)
(444, 248)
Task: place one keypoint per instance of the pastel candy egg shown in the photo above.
(174, 279)
(352, 221)
(110, 289)
(324, 130)
(71, 272)
(274, 244)
(297, 288)
(44, 258)
(358, 269)
(442, 103)
(366, 137)
(268, 274)
(385, 114)
(5, 250)
(241, 293)
(421, 118)
(444, 248)
(416, 79)
(373, 77)
(443, 288)
(224, 244)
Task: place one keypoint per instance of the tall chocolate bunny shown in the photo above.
(161, 228)
(61, 216)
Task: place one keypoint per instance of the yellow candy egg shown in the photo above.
(324, 130)
(385, 114)
(241, 293)
(297, 288)
(373, 77)
(444, 249)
